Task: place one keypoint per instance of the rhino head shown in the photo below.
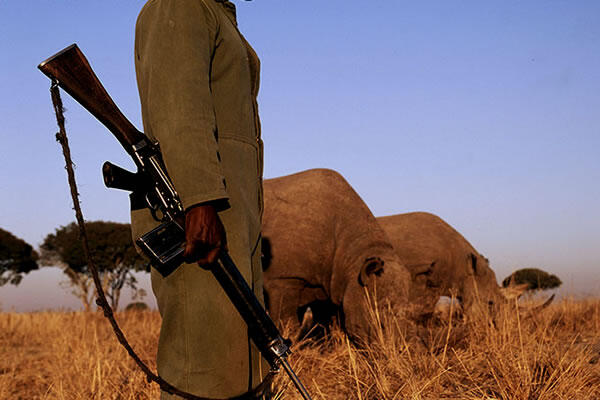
(379, 284)
(466, 277)
(471, 281)
(479, 287)
(442, 263)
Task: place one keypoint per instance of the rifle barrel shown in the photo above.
(295, 380)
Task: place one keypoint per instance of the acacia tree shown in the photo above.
(534, 277)
(17, 258)
(113, 254)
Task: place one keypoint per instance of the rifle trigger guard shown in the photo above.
(154, 210)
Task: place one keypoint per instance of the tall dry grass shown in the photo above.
(547, 355)
(74, 355)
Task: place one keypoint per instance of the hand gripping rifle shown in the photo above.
(165, 244)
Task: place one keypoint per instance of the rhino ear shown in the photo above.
(371, 266)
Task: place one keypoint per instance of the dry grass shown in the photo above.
(549, 355)
(74, 355)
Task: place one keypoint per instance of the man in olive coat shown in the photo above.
(198, 81)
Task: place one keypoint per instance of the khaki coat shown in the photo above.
(198, 80)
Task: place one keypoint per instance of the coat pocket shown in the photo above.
(257, 145)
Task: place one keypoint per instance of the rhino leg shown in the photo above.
(284, 301)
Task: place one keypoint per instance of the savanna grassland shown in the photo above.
(551, 354)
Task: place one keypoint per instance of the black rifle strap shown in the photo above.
(101, 301)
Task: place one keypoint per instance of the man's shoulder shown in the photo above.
(161, 8)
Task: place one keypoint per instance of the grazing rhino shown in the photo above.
(322, 249)
(442, 263)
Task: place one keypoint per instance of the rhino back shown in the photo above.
(421, 239)
(420, 236)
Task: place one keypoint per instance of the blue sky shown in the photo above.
(485, 113)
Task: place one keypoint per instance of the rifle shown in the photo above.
(164, 245)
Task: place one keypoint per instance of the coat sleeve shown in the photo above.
(174, 44)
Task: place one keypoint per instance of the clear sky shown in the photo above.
(484, 113)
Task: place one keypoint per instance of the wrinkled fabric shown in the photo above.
(198, 82)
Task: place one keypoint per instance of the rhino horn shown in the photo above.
(308, 324)
(529, 311)
(542, 306)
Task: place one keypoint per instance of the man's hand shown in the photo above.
(204, 235)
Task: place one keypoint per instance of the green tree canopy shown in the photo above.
(112, 251)
(534, 277)
(17, 258)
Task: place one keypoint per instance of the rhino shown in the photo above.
(443, 263)
(323, 249)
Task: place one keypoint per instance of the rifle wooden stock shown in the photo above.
(72, 71)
